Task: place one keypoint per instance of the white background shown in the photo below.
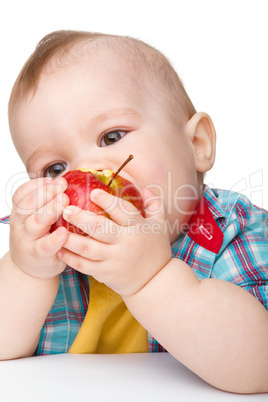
(219, 48)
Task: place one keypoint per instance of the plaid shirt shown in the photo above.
(227, 238)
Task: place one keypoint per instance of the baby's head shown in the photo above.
(145, 62)
(89, 100)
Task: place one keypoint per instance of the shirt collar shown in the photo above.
(203, 227)
(213, 203)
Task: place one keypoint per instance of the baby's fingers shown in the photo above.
(34, 194)
(96, 226)
(27, 188)
(121, 211)
(49, 245)
(39, 223)
(153, 204)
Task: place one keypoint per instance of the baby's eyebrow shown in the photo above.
(114, 113)
(41, 151)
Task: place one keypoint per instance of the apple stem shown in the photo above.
(121, 167)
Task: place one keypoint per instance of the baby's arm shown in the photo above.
(24, 305)
(213, 327)
(29, 271)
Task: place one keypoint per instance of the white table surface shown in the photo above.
(133, 377)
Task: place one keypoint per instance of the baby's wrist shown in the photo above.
(17, 270)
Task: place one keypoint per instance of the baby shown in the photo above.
(190, 277)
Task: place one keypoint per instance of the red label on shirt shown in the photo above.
(203, 228)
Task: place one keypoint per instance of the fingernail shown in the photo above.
(59, 181)
(71, 210)
(61, 231)
(95, 194)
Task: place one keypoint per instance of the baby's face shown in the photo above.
(93, 115)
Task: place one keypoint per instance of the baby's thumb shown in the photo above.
(153, 204)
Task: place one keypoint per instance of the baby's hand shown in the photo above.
(36, 205)
(125, 252)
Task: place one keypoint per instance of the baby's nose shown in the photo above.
(90, 164)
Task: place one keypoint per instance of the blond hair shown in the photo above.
(60, 46)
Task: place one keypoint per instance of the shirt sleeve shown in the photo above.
(243, 259)
(5, 220)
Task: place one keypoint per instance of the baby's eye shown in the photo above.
(55, 170)
(111, 137)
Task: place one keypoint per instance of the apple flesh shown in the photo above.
(82, 182)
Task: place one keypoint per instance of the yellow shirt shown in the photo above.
(108, 326)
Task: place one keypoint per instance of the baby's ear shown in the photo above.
(201, 132)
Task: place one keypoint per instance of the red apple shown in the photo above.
(82, 182)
